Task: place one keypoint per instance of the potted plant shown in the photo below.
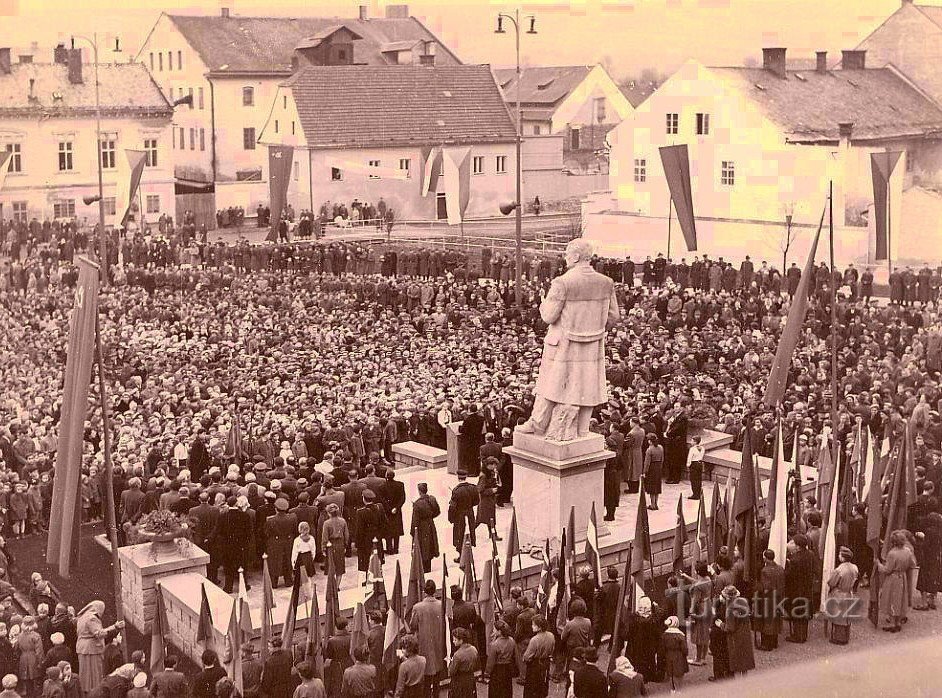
(702, 415)
(161, 528)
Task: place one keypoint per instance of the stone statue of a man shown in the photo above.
(579, 306)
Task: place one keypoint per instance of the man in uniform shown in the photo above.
(464, 498)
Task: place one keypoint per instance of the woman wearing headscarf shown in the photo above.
(895, 585)
(673, 652)
(842, 598)
(90, 647)
(29, 647)
(737, 626)
(624, 681)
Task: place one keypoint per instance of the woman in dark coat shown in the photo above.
(929, 582)
(653, 465)
(673, 652)
(424, 511)
(487, 489)
(719, 647)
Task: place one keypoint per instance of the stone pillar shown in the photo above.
(142, 566)
(550, 477)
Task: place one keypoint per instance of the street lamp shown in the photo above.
(517, 205)
(102, 235)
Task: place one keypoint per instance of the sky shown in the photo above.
(624, 35)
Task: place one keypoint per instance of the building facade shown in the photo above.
(47, 122)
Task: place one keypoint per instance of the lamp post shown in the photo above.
(102, 234)
(518, 204)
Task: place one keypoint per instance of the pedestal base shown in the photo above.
(550, 478)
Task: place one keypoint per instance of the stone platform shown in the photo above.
(410, 454)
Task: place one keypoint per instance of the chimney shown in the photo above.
(822, 65)
(75, 66)
(397, 12)
(364, 12)
(845, 130)
(5, 68)
(60, 55)
(32, 87)
(224, 12)
(853, 60)
(773, 60)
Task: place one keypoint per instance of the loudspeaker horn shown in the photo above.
(508, 208)
(89, 200)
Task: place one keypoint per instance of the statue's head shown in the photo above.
(578, 250)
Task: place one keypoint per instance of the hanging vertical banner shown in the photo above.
(6, 157)
(130, 171)
(457, 182)
(882, 166)
(280, 158)
(63, 542)
(676, 165)
(431, 163)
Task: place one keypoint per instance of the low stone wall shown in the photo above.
(410, 454)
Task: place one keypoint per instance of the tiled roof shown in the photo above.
(126, 89)
(266, 44)
(361, 106)
(808, 105)
(542, 85)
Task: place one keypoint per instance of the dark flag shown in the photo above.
(394, 622)
(641, 548)
(280, 158)
(128, 184)
(680, 536)
(882, 166)
(513, 548)
(778, 376)
(63, 542)
(744, 510)
(157, 645)
(204, 630)
(676, 165)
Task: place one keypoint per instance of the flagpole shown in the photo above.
(834, 447)
(109, 481)
(670, 206)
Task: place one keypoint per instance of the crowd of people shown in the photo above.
(257, 390)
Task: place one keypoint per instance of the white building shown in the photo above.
(232, 66)
(764, 144)
(386, 147)
(47, 120)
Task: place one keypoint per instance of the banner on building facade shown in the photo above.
(280, 159)
(130, 171)
(457, 163)
(63, 542)
(882, 166)
(676, 165)
(431, 168)
(6, 157)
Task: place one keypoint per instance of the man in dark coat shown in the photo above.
(280, 531)
(202, 520)
(606, 603)
(422, 528)
(799, 588)
(230, 538)
(471, 435)
(464, 498)
(277, 678)
(771, 592)
(394, 496)
(675, 446)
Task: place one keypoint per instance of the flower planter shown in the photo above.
(161, 542)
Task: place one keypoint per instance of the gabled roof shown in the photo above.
(636, 91)
(325, 33)
(266, 44)
(126, 89)
(375, 106)
(808, 105)
(933, 12)
(542, 85)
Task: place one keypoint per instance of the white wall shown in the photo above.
(41, 183)
(578, 108)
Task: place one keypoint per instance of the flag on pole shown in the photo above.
(268, 603)
(744, 511)
(204, 631)
(680, 535)
(280, 160)
(468, 578)
(157, 646)
(730, 519)
(377, 599)
(393, 622)
(778, 499)
(592, 550)
(444, 625)
(513, 548)
(703, 532)
(62, 544)
(571, 542)
(561, 612)
(332, 597)
(6, 159)
(717, 528)
(486, 598)
(415, 591)
(130, 171)
(314, 652)
(641, 547)
(291, 617)
(676, 164)
(234, 637)
(546, 579)
(245, 614)
(359, 630)
(778, 376)
(882, 166)
(869, 466)
(829, 539)
(619, 611)
(901, 496)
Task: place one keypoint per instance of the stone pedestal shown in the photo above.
(550, 477)
(142, 566)
(410, 454)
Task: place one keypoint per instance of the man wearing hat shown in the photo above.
(60, 652)
(230, 538)
(464, 498)
(280, 530)
(202, 519)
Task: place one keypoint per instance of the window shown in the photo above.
(248, 139)
(910, 160)
(199, 96)
(169, 60)
(728, 173)
(190, 95)
(599, 106)
(65, 156)
(501, 164)
(537, 129)
(110, 205)
(641, 170)
(16, 159)
(192, 139)
(150, 152)
(292, 128)
(276, 125)
(107, 153)
(406, 164)
(248, 96)
(153, 203)
(336, 175)
(160, 62)
(20, 212)
(703, 124)
(64, 208)
(284, 101)
(182, 139)
(179, 60)
(202, 139)
(673, 123)
(477, 164)
(341, 55)
(574, 139)
(297, 171)
(374, 163)
(152, 61)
